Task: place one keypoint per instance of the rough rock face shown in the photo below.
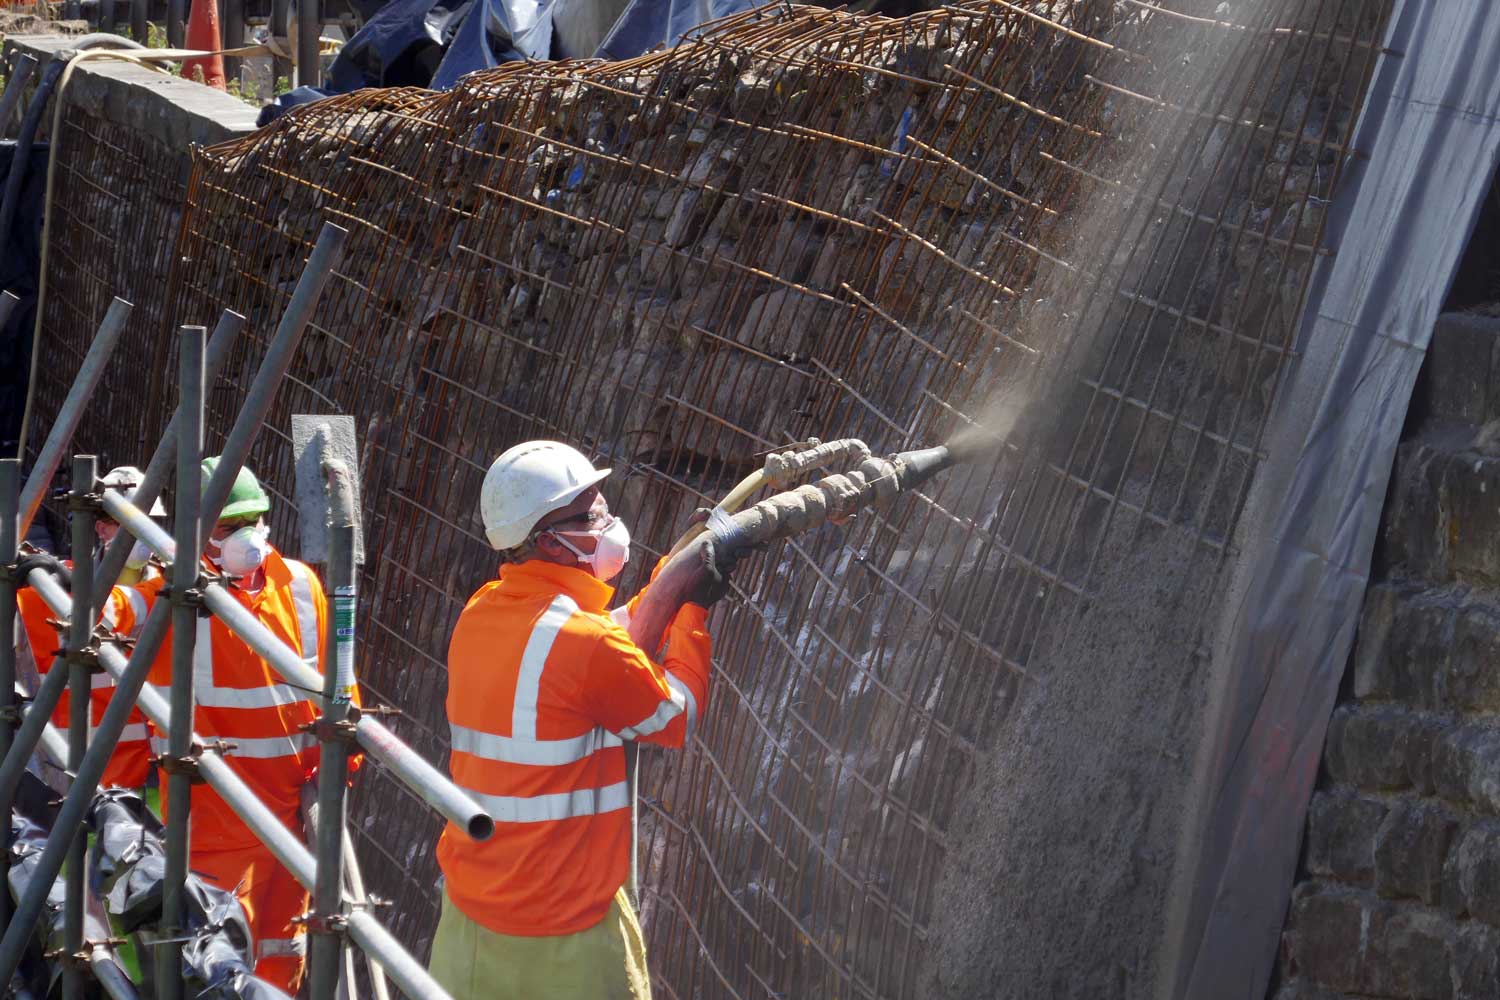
(1400, 889)
(942, 751)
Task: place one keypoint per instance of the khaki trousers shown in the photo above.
(605, 962)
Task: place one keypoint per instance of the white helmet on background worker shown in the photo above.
(526, 483)
(126, 479)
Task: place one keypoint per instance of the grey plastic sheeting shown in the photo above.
(1399, 226)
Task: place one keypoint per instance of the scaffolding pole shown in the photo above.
(83, 505)
(189, 429)
(334, 732)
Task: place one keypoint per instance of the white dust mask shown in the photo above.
(611, 549)
(243, 552)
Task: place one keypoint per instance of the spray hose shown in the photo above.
(780, 470)
(876, 482)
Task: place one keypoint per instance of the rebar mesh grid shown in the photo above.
(117, 207)
(1083, 227)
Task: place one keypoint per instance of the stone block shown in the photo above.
(1411, 956)
(1471, 682)
(1473, 870)
(1409, 849)
(1371, 678)
(1369, 746)
(1420, 748)
(1419, 647)
(1476, 963)
(1341, 832)
(1471, 487)
(1458, 367)
(1305, 989)
(1414, 529)
(1329, 935)
(1466, 765)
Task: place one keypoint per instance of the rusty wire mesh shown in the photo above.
(1039, 218)
(117, 207)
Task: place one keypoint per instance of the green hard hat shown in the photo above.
(246, 497)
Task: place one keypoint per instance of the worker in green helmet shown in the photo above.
(241, 700)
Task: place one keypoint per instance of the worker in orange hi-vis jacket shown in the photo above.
(241, 700)
(125, 613)
(543, 687)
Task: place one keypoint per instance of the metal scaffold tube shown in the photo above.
(84, 383)
(10, 497)
(374, 737)
(325, 944)
(189, 430)
(155, 476)
(131, 691)
(80, 650)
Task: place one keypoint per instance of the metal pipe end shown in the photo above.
(481, 827)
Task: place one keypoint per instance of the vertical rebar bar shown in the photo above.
(71, 411)
(281, 67)
(80, 682)
(139, 26)
(190, 393)
(326, 944)
(107, 15)
(309, 28)
(10, 499)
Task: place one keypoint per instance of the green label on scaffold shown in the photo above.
(343, 624)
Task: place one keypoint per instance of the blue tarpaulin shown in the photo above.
(433, 43)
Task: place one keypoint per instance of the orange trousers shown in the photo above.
(271, 898)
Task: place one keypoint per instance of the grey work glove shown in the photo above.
(713, 578)
(46, 561)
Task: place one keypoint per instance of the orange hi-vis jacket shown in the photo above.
(543, 685)
(241, 699)
(125, 613)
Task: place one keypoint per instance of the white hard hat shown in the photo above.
(127, 479)
(528, 481)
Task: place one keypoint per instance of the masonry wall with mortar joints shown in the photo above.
(1399, 894)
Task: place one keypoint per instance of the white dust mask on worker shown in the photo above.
(611, 549)
(243, 552)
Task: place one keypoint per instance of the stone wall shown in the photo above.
(1400, 889)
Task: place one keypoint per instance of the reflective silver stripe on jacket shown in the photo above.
(281, 947)
(533, 660)
(269, 747)
(560, 805)
(508, 750)
(621, 615)
(134, 732)
(210, 695)
(676, 702)
(307, 611)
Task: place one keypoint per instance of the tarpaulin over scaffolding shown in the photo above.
(434, 43)
(1428, 142)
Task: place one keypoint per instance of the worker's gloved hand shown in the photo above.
(713, 581)
(37, 559)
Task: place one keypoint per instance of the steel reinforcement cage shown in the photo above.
(1081, 229)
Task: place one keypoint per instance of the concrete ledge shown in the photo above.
(169, 109)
